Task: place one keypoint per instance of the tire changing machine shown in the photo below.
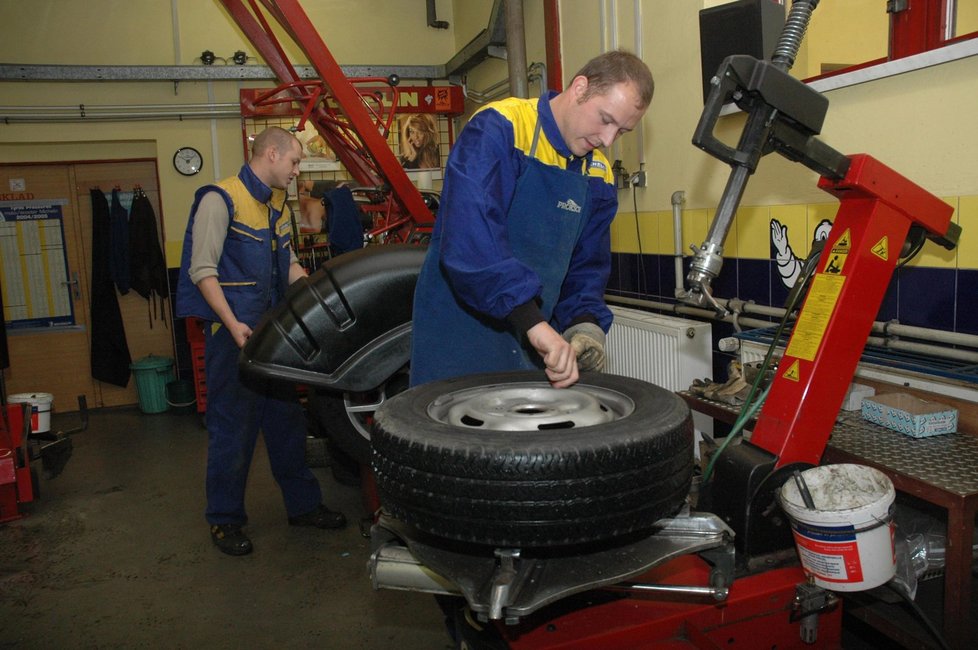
(723, 573)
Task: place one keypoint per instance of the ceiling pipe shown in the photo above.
(551, 34)
(117, 113)
(491, 41)
(637, 23)
(516, 49)
(433, 17)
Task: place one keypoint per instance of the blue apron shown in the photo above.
(449, 338)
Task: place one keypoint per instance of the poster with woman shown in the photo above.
(419, 145)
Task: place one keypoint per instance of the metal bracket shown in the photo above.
(507, 584)
(810, 601)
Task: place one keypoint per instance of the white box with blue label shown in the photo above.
(910, 415)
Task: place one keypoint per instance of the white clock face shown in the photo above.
(187, 161)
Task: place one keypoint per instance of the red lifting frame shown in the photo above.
(757, 614)
(16, 486)
(878, 207)
(362, 148)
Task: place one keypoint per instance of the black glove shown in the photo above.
(587, 341)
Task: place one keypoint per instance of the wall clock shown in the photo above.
(187, 161)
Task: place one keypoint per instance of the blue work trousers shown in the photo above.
(237, 408)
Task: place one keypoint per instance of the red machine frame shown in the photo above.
(355, 125)
(760, 612)
(877, 209)
(16, 484)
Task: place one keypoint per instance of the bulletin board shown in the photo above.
(34, 271)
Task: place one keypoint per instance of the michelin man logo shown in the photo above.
(789, 266)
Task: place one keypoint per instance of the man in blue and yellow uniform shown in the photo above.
(520, 255)
(237, 262)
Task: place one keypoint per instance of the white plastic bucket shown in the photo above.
(40, 409)
(846, 542)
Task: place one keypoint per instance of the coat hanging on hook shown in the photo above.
(147, 264)
(110, 357)
(119, 244)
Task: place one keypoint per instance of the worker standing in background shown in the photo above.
(237, 262)
(520, 255)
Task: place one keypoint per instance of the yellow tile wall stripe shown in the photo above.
(751, 232)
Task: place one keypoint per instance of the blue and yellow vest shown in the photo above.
(254, 267)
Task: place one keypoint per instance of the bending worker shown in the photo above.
(520, 255)
(237, 262)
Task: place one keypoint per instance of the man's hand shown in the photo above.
(558, 356)
(239, 332)
(588, 342)
(213, 294)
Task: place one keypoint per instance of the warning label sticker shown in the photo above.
(815, 316)
(838, 253)
(882, 249)
(793, 372)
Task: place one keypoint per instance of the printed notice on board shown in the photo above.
(34, 272)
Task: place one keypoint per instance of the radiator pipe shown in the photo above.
(686, 310)
(678, 198)
(495, 91)
(738, 307)
(537, 72)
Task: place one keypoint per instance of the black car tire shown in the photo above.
(557, 485)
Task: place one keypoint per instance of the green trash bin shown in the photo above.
(153, 373)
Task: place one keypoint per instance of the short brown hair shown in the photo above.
(273, 136)
(614, 67)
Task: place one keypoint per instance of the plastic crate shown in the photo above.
(195, 337)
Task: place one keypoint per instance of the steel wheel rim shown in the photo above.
(530, 406)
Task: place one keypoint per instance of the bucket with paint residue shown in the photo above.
(180, 396)
(845, 541)
(40, 409)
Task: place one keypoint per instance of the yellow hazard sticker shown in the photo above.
(793, 372)
(882, 249)
(838, 253)
(815, 316)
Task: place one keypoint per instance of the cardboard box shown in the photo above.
(910, 415)
(853, 400)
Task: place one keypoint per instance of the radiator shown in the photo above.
(663, 350)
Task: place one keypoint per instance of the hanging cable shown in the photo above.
(912, 604)
(750, 406)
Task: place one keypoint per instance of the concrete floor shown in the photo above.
(116, 554)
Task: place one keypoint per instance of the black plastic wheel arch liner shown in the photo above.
(346, 327)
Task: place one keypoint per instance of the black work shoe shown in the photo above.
(321, 517)
(230, 539)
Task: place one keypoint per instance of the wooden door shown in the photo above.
(55, 360)
(59, 361)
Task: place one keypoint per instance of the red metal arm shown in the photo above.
(878, 207)
(357, 138)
